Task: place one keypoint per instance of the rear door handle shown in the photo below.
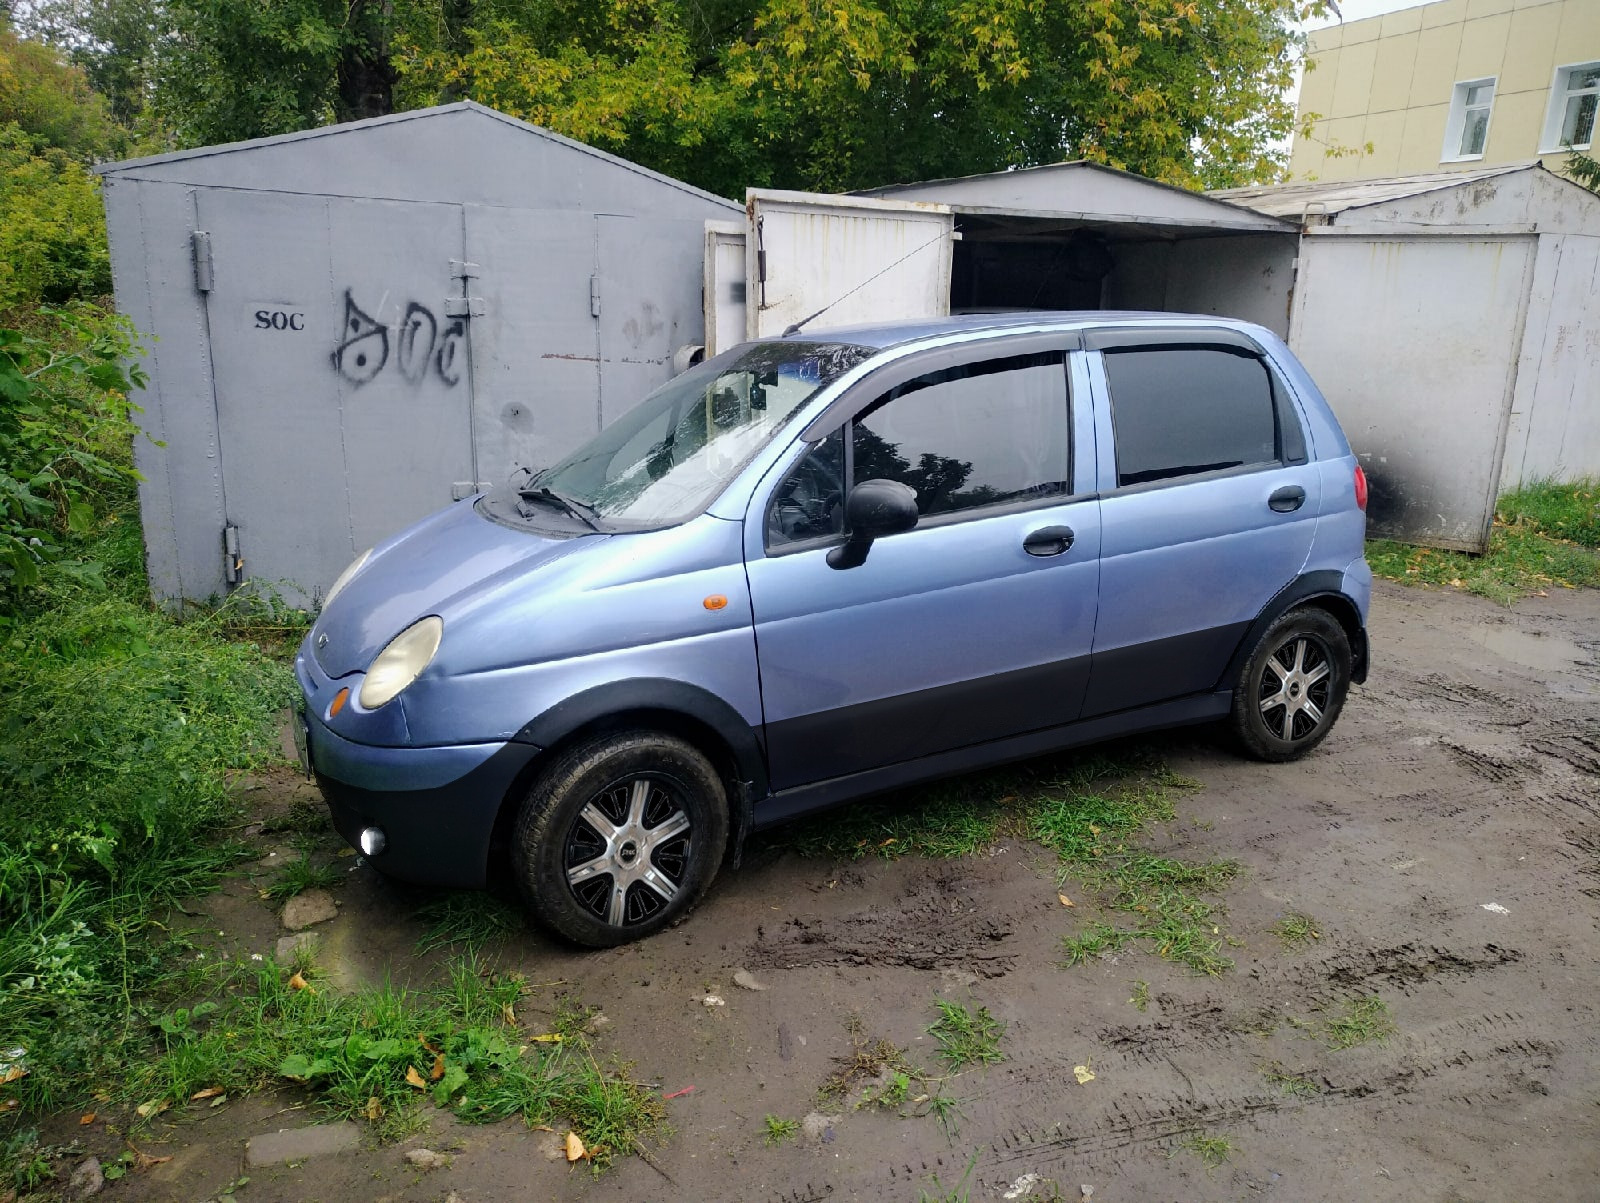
(1049, 541)
(1287, 499)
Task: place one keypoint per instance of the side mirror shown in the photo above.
(875, 508)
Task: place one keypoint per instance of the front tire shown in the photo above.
(1292, 687)
(619, 837)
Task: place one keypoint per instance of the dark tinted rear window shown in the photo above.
(1180, 411)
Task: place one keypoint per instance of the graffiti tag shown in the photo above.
(419, 345)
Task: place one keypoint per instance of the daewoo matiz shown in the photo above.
(822, 566)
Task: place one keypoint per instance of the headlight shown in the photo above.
(398, 665)
(343, 578)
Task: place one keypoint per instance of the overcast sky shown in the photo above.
(1356, 10)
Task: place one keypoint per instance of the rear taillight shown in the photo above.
(1361, 488)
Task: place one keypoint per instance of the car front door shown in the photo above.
(976, 624)
(1209, 502)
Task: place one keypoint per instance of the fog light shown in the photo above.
(373, 841)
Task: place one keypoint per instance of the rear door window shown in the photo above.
(1185, 410)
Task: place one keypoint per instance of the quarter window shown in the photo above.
(1180, 411)
(981, 434)
(1573, 104)
(1467, 131)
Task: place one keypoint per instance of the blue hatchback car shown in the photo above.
(823, 566)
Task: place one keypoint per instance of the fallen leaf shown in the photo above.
(219, 1100)
(509, 1014)
(887, 842)
(9, 1105)
(374, 1109)
(1458, 582)
(1093, 830)
(1083, 1073)
(297, 982)
(143, 1161)
(413, 1078)
(210, 1092)
(437, 1071)
(153, 1107)
(422, 1039)
(548, 1038)
(575, 1149)
(86, 1119)
(1065, 901)
(13, 1072)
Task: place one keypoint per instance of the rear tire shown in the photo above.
(1292, 687)
(619, 837)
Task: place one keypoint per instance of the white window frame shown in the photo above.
(1555, 114)
(1456, 125)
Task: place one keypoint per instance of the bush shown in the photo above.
(66, 431)
(52, 226)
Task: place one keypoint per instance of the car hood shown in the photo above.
(427, 569)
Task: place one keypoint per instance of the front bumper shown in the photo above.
(437, 806)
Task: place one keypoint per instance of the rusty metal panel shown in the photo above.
(1414, 341)
(649, 301)
(535, 350)
(341, 392)
(864, 260)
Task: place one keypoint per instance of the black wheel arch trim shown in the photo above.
(1308, 587)
(657, 694)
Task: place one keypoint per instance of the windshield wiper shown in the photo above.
(585, 514)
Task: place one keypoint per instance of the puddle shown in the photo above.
(1542, 653)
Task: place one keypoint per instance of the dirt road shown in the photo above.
(1445, 842)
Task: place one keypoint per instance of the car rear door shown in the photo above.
(1209, 501)
(975, 625)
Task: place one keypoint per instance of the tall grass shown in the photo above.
(120, 729)
(1545, 536)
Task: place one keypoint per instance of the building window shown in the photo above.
(1467, 130)
(1573, 100)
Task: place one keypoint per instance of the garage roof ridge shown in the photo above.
(347, 127)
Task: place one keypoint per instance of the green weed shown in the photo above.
(780, 1130)
(960, 1193)
(967, 1037)
(380, 1055)
(1544, 536)
(1212, 1150)
(1363, 1021)
(1295, 929)
(1291, 1082)
(466, 919)
(1141, 996)
(301, 875)
(947, 1110)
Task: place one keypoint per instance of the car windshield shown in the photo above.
(666, 459)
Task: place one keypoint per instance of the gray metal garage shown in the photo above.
(355, 324)
(1453, 320)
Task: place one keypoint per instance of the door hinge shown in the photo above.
(232, 561)
(594, 296)
(462, 489)
(200, 246)
(461, 269)
(465, 307)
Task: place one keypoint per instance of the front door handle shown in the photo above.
(1049, 541)
(1287, 499)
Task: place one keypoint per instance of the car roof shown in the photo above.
(883, 335)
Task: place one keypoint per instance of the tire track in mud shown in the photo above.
(938, 923)
(1475, 1061)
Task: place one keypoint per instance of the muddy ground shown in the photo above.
(1463, 774)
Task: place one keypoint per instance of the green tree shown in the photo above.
(52, 226)
(51, 101)
(1584, 169)
(808, 93)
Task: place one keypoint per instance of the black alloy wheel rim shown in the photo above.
(1296, 684)
(627, 851)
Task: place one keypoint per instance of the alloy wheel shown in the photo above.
(627, 851)
(1294, 688)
